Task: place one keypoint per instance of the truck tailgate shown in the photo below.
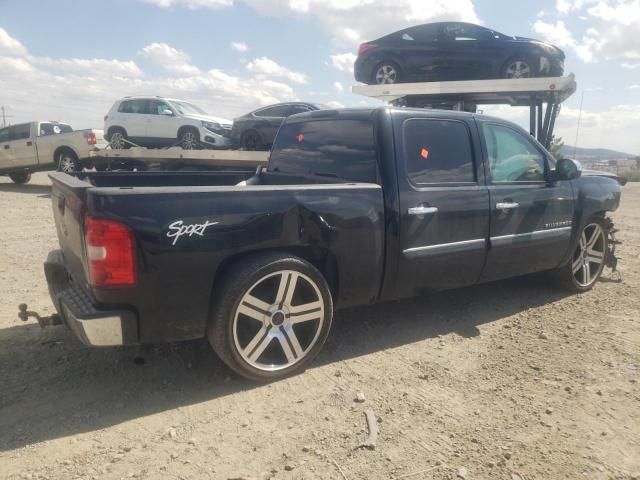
(68, 197)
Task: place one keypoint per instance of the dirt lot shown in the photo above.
(511, 380)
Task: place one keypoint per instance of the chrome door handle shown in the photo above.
(507, 205)
(421, 210)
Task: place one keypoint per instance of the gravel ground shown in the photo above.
(512, 380)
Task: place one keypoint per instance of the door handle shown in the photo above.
(7, 147)
(507, 205)
(29, 144)
(422, 210)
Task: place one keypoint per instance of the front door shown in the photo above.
(161, 125)
(444, 205)
(531, 218)
(23, 149)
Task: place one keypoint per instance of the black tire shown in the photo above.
(266, 333)
(118, 138)
(251, 140)
(67, 162)
(189, 138)
(571, 276)
(20, 178)
(519, 67)
(386, 73)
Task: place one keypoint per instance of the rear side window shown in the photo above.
(342, 148)
(277, 111)
(20, 132)
(4, 135)
(133, 106)
(53, 129)
(438, 151)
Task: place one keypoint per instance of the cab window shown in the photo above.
(156, 107)
(437, 151)
(512, 156)
(20, 132)
(4, 135)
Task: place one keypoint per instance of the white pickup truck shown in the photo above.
(36, 146)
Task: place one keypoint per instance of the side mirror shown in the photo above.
(167, 112)
(567, 169)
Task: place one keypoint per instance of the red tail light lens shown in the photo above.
(365, 47)
(110, 253)
(91, 138)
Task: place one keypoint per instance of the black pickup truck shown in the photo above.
(356, 206)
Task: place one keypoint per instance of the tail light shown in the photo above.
(365, 47)
(91, 138)
(110, 253)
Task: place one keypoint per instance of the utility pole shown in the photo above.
(4, 117)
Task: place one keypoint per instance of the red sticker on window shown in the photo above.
(424, 153)
(300, 138)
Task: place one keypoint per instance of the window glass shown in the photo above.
(293, 109)
(53, 129)
(133, 106)
(437, 151)
(423, 33)
(156, 107)
(277, 111)
(461, 32)
(185, 108)
(512, 156)
(4, 135)
(333, 148)
(20, 132)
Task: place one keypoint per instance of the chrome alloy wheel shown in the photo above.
(589, 256)
(278, 320)
(189, 140)
(518, 69)
(66, 163)
(117, 141)
(386, 74)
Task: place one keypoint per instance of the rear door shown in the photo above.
(444, 204)
(419, 47)
(467, 51)
(23, 150)
(132, 115)
(531, 217)
(6, 156)
(271, 119)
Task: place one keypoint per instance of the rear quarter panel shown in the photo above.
(176, 275)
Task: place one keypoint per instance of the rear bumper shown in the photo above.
(93, 326)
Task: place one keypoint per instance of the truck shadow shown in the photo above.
(54, 387)
(43, 191)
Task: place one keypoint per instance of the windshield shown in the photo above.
(185, 108)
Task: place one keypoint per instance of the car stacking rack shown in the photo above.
(467, 95)
(176, 157)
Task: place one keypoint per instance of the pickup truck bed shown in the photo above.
(355, 206)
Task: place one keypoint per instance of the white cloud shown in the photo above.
(611, 33)
(343, 62)
(9, 45)
(94, 67)
(239, 46)
(266, 67)
(338, 87)
(335, 104)
(192, 4)
(634, 87)
(169, 58)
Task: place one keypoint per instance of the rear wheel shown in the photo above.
(272, 317)
(118, 139)
(20, 177)
(588, 259)
(68, 162)
(386, 73)
(189, 139)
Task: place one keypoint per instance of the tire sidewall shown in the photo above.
(189, 130)
(230, 299)
(391, 64)
(520, 58)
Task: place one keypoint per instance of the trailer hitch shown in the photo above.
(51, 320)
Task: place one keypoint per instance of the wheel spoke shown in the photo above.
(255, 303)
(304, 308)
(583, 241)
(286, 288)
(286, 348)
(258, 344)
(595, 256)
(293, 340)
(586, 273)
(595, 236)
(577, 265)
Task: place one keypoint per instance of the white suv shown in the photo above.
(158, 122)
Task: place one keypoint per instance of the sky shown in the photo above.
(70, 60)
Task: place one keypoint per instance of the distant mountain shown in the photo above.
(594, 153)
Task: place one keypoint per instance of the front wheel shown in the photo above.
(272, 317)
(20, 178)
(519, 67)
(189, 139)
(588, 260)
